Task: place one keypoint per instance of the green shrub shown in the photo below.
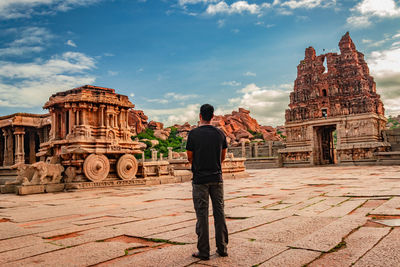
(176, 142)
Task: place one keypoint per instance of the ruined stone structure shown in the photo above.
(85, 142)
(20, 137)
(335, 114)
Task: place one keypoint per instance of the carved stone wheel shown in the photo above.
(127, 167)
(96, 167)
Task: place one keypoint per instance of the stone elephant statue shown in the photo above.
(38, 173)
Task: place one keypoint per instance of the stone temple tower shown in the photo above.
(335, 114)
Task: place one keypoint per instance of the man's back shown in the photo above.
(206, 142)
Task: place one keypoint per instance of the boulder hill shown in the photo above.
(238, 127)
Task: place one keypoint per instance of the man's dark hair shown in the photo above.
(207, 112)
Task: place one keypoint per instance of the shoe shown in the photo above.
(197, 255)
(222, 254)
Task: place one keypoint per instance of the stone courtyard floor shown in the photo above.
(326, 216)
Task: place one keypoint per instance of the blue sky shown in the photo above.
(170, 56)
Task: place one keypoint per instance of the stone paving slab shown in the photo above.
(328, 237)
(18, 242)
(285, 231)
(292, 258)
(343, 208)
(391, 207)
(84, 255)
(243, 252)
(270, 212)
(175, 255)
(10, 230)
(28, 251)
(356, 245)
(385, 253)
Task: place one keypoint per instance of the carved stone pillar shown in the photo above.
(169, 153)
(77, 117)
(243, 149)
(270, 148)
(153, 154)
(8, 147)
(256, 150)
(32, 146)
(19, 134)
(143, 157)
(102, 115)
(84, 116)
(63, 120)
(53, 124)
(71, 120)
(127, 118)
(120, 115)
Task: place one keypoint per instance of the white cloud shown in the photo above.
(223, 7)
(169, 117)
(367, 9)
(249, 73)
(378, 8)
(12, 9)
(193, 2)
(385, 63)
(112, 73)
(157, 100)
(180, 97)
(262, 24)
(238, 7)
(266, 104)
(231, 83)
(385, 67)
(171, 97)
(27, 40)
(221, 23)
(307, 4)
(30, 84)
(358, 21)
(71, 43)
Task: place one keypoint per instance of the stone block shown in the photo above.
(30, 189)
(50, 188)
(8, 188)
(152, 181)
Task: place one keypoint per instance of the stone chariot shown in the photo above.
(90, 135)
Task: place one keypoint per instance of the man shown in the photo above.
(206, 149)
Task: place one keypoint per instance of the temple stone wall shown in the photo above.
(393, 137)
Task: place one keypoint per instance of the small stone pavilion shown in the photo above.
(335, 115)
(21, 135)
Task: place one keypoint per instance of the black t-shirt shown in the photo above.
(206, 142)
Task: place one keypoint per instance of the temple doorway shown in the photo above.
(325, 145)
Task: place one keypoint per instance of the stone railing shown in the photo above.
(257, 150)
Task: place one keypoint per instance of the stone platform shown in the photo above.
(321, 216)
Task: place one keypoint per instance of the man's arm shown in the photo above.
(190, 156)
(223, 154)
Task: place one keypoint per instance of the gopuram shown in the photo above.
(84, 142)
(335, 115)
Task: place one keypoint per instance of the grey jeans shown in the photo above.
(201, 194)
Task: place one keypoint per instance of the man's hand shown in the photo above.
(223, 154)
(190, 156)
